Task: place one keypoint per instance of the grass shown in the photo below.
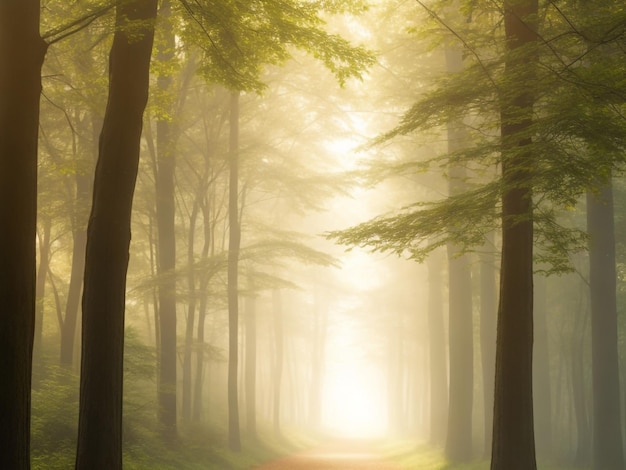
(414, 455)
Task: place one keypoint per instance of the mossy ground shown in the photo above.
(413, 455)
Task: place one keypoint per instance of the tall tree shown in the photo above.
(460, 330)
(488, 311)
(166, 252)
(108, 239)
(234, 243)
(437, 351)
(607, 432)
(22, 52)
(513, 445)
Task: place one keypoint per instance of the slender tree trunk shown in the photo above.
(277, 375)
(437, 352)
(234, 241)
(108, 240)
(541, 372)
(250, 352)
(165, 211)
(21, 56)
(461, 334)
(394, 372)
(583, 431)
(458, 446)
(513, 445)
(317, 361)
(607, 432)
(202, 311)
(42, 275)
(488, 312)
(79, 234)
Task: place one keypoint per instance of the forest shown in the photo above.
(284, 234)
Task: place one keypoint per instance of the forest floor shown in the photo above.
(340, 454)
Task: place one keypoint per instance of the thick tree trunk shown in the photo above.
(21, 56)
(488, 312)
(108, 240)
(607, 433)
(166, 265)
(437, 352)
(513, 427)
(234, 241)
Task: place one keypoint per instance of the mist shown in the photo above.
(299, 234)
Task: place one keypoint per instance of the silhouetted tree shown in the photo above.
(513, 445)
(108, 240)
(22, 51)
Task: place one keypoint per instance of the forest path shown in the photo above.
(341, 454)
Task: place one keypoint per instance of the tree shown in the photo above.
(607, 431)
(513, 429)
(234, 244)
(108, 240)
(22, 52)
(166, 252)
(460, 329)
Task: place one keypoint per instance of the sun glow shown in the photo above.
(354, 392)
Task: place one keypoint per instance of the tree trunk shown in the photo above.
(541, 372)
(42, 274)
(437, 352)
(607, 433)
(488, 311)
(579, 403)
(513, 445)
(21, 56)
(318, 349)
(166, 265)
(461, 336)
(277, 375)
(108, 240)
(458, 447)
(250, 352)
(79, 234)
(234, 241)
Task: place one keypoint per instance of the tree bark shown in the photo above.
(42, 275)
(541, 372)
(22, 51)
(79, 235)
(488, 312)
(437, 352)
(458, 447)
(250, 354)
(513, 445)
(277, 372)
(234, 241)
(166, 252)
(108, 240)
(607, 433)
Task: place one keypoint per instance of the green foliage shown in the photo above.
(239, 38)
(578, 133)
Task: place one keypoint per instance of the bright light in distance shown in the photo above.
(353, 405)
(353, 396)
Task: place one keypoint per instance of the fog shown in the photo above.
(298, 234)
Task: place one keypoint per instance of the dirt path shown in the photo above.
(336, 455)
